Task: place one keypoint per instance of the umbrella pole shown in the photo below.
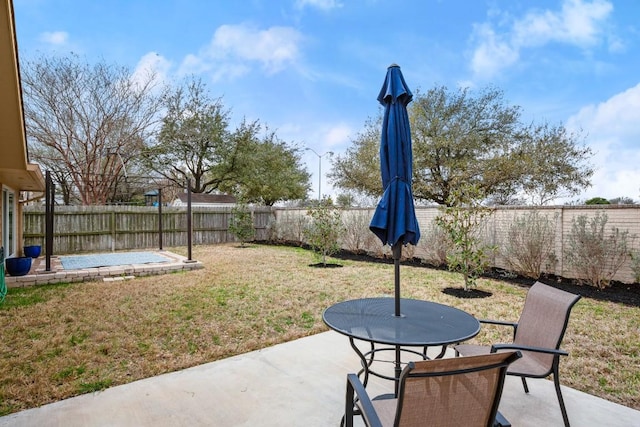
(397, 252)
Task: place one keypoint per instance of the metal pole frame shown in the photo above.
(49, 203)
(189, 223)
(160, 218)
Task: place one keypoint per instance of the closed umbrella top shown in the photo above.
(394, 220)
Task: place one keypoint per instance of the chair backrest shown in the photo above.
(461, 391)
(544, 320)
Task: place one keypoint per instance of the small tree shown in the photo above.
(241, 224)
(529, 245)
(462, 222)
(325, 229)
(595, 255)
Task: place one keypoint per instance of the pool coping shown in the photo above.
(39, 276)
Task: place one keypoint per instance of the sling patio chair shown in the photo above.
(459, 391)
(538, 335)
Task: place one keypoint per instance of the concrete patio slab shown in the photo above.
(301, 382)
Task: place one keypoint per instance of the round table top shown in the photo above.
(423, 323)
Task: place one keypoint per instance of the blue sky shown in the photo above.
(311, 69)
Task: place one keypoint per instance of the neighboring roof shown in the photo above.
(201, 198)
(15, 169)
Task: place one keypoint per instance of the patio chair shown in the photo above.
(462, 391)
(538, 335)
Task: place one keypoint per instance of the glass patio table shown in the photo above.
(421, 324)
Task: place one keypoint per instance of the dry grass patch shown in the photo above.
(63, 340)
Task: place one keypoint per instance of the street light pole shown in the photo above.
(320, 156)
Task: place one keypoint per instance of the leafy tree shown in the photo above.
(462, 221)
(325, 229)
(597, 201)
(476, 138)
(358, 170)
(346, 200)
(86, 122)
(241, 224)
(194, 141)
(267, 170)
(553, 163)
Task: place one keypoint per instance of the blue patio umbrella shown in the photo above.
(394, 220)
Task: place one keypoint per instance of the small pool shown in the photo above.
(77, 262)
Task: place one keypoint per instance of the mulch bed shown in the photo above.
(327, 265)
(617, 292)
(469, 293)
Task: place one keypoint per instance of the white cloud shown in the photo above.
(55, 38)
(338, 135)
(318, 4)
(578, 23)
(612, 132)
(618, 116)
(235, 48)
(492, 53)
(193, 64)
(152, 64)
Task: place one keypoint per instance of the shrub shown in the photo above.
(635, 266)
(357, 237)
(594, 255)
(462, 222)
(289, 228)
(528, 249)
(435, 244)
(324, 231)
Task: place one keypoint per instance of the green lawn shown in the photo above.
(63, 340)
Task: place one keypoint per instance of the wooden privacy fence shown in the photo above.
(80, 229)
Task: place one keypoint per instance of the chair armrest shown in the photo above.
(499, 322)
(497, 347)
(514, 325)
(368, 412)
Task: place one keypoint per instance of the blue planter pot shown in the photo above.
(18, 266)
(32, 251)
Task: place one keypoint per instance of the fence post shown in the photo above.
(189, 225)
(48, 220)
(160, 217)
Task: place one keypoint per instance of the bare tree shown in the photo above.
(87, 121)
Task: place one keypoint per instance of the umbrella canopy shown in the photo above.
(394, 221)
